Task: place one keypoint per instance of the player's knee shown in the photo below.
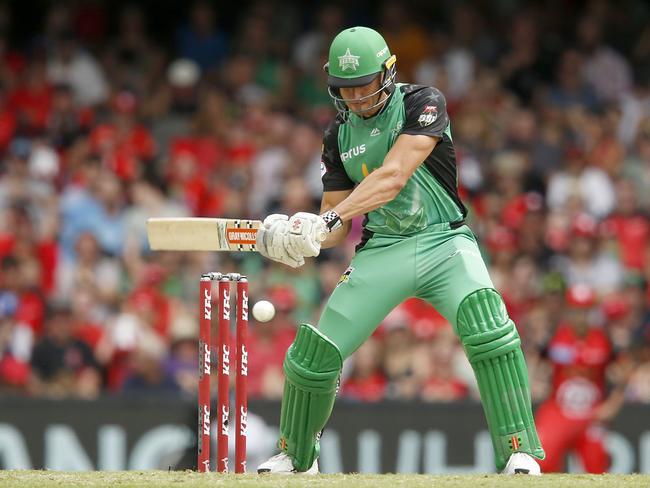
(313, 360)
(484, 327)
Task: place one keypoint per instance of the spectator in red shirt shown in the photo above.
(16, 341)
(12, 61)
(628, 227)
(7, 120)
(424, 320)
(149, 301)
(193, 178)
(122, 337)
(501, 244)
(15, 277)
(572, 417)
(32, 98)
(36, 251)
(124, 145)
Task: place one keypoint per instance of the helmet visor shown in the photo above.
(336, 82)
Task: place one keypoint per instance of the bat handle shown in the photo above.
(322, 236)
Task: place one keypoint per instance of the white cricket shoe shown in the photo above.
(282, 464)
(522, 463)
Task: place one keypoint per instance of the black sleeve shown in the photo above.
(426, 111)
(331, 167)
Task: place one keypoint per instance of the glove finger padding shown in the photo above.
(304, 245)
(307, 231)
(274, 218)
(294, 247)
(278, 247)
(271, 241)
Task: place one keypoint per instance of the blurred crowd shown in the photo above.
(104, 123)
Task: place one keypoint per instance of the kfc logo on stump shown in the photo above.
(226, 304)
(243, 415)
(206, 420)
(244, 306)
(225, 359)
(207, 305)
(244, 361)
(206, 359)
(224, 420)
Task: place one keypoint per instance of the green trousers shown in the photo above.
(439, 265)
(444, 267)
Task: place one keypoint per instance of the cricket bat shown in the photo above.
(202, 234)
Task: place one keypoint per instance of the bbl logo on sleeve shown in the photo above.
(428, 115)
(345, 277)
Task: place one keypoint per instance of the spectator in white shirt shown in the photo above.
(69, 65)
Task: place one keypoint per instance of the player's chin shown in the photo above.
(359, 110)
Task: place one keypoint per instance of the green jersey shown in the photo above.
(355, 147)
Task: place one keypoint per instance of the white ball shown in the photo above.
(263, 311)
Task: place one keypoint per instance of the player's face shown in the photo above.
(362, 107)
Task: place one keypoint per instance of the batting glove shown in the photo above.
(272, 239)
(306, 232)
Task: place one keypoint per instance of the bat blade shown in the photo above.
(202, 234)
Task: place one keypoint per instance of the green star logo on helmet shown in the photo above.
(348, 61)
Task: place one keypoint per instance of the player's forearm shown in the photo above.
(336, 237)
(380, 187)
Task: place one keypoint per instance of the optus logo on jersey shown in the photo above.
(355, 151)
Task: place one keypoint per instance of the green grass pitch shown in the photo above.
(189, 479)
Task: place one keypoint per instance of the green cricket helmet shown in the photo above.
(357, 56)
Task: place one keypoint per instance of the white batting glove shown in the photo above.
(271, 241)
(306, 232)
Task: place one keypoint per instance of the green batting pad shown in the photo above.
(493, 348)
(312, 367)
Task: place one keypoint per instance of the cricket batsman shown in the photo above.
(389, 155)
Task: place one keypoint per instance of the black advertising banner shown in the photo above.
(160, 433)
